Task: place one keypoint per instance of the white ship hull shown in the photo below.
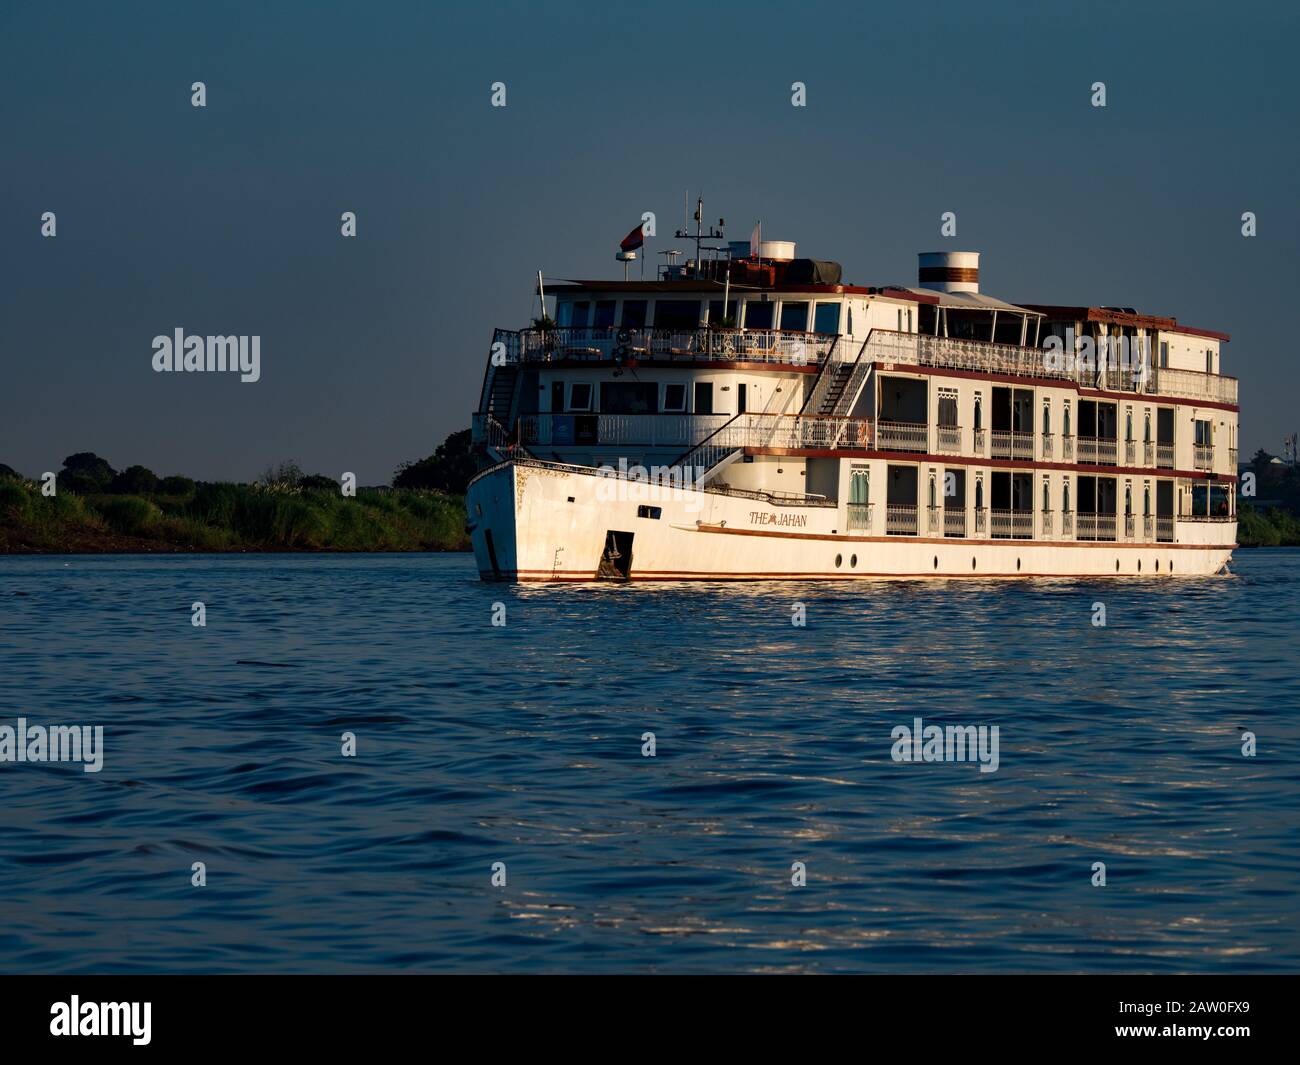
(542, 522)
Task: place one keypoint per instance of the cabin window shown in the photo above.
(674, 397)
(1047, 494)
(979, 412)
(1128, 425)
(948, 407)
(703, 397)
(1146, 438)
(563, 312)
(1202, 433)
(1047, 418)
(718, 316)
(900, 319)
(629, 397)
(580, 397)
(826, 318)
(1065, 420)
(758, 315)
(860, 485)
(677, 314)
(634, 314)
(794, 317)
(1164, 354)
(1065, 498)
(604, 318)
(1209, 362)
(581, 308)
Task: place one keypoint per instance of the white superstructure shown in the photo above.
(757, 418)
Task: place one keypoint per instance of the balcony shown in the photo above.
(979, 441)
(1012, 524)
(1165, 456)
(1165, 528)
(1204, 457)
(609, 430)
(1148, 527)
(900, 519)
(1148, 453)
(1012, 444)
(1049, 446)
(1067, 523)
(949, 439)
(1067, 448)
(1098, 450)
(935, 519)
(1095, 526)
(860, 516)
(981, 521)
(589, 344)
(954, 521)
(1046, 522)
(1130, 526)
(904, 436)
(1130, 452)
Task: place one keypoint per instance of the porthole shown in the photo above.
(853, 562)
(1116, 565)
(1139, 565)
(1017, 565)
(936, 561)
(839, 561)
(1157, 565)
(1171, 565)
(972, 562)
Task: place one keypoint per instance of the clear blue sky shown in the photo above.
(226, 219)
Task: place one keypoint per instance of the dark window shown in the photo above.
(742, 394)
(580, 397)
(557, 396)
(758, 315)
(674, 397)
(826, 319)
(677, 314)
(717, 315)
(604, 313)
(634, 314)
(948, 410)
(648, 512)
(703, 397)
(579, 319)
(629, 397)
(794, 316)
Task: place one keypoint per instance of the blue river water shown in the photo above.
(522, 743)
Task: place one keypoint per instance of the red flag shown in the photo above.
(633, 240)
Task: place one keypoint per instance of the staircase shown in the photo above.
(498, 396)
(841, 373)
(839, 384)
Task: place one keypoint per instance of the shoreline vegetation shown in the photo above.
(98, 510)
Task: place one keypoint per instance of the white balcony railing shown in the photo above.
(900, 519)
(1095, 526)
(860, 515)
(904, 436)
(1012, 524)
(1098, 451)
(1204, 457)
(948, 439)
(954, 520)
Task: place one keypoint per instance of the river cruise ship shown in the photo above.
(747, 415)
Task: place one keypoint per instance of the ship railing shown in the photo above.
(613, 344)
(1148, 453)
(494, 437)
(903, 436)
(1097, 450)
(1164, 456)
(934, 520)
(1165, 528)
(1067, 523)
(981, 521)
(1092, 526)
(1204, 457)
(1012, 444)
(900, 519)
(1046, 522)
(1049, 446)
(860, 515)
(1012, 524)
(1130, 452)
(954, 521)
(981, 356)
(948, 439)
(1148, 526)
(645, 430)
(1067, 447)
(1130, 526)
(977, 438)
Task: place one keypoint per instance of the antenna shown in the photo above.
(714, 232)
